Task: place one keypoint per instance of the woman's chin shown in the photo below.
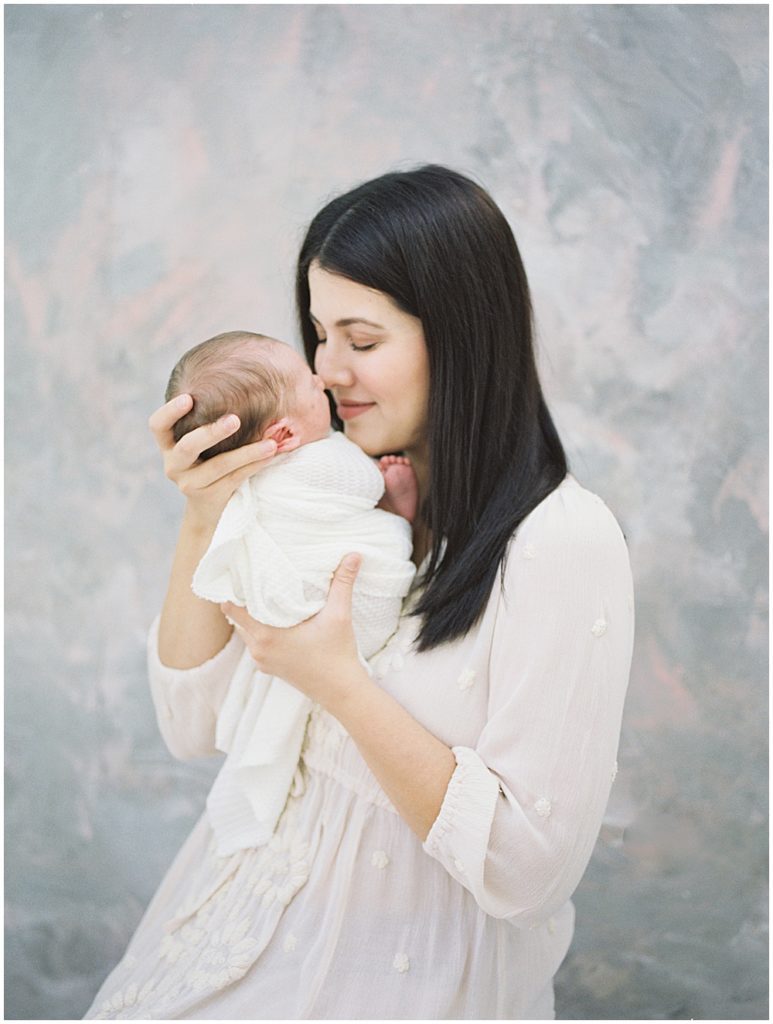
(369, 444)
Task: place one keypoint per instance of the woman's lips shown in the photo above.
(348, 410)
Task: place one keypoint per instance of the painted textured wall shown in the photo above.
(162, 163)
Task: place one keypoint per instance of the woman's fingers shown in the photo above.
(163, 420)
(206, 478)
(230, 464)
(254, 634)
(238, 618)
(183, 454)
(236, 614)
(189, 447)
(207, 484)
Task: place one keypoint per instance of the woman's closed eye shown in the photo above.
(355, 347)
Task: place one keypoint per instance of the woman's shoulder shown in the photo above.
(570, 515)
(570, 543)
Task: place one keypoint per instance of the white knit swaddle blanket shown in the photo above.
(276, 546)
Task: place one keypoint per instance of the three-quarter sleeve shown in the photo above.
(523, 808)
(187, 701)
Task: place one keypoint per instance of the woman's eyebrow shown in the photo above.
(348, 321)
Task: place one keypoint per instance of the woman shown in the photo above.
(446, 807)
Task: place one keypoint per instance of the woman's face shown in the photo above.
(373, 358)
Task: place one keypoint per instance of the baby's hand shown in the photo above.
(401, 493)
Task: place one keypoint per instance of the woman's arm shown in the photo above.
(188, 701)
(412, 766)
(191, 630)
(525, 804)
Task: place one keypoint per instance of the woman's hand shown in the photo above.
(318, 656)
(207, 485)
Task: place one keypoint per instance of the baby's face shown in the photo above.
(309, 407)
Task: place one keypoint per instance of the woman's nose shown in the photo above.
(333, 371)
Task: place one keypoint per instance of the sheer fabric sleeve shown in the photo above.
(524, 807)
(187, 701)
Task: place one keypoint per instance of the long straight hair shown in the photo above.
(436, 243)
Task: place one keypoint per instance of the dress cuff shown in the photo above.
(212, 675)
(459, 836)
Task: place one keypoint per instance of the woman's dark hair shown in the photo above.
(438, 245)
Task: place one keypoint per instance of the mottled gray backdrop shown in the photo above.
(162, 163)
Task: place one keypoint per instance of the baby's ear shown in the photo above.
(282, 432)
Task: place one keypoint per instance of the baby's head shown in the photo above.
(264, 381)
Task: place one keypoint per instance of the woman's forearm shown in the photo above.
(412, 766)
(319, 657)
(191, 630)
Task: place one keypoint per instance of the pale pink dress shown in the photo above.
(347, 914)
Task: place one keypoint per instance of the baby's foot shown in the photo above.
(401, 489)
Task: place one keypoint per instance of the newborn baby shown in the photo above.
(255, 377)
(275, 548)
(260, 379)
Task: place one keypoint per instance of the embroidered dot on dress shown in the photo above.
(542, 807)
(466, 679)
(401, 963)
(459, 866)
(614, 771)
(379, 859)
(290, 943)
(599, 627)
(529, 551)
